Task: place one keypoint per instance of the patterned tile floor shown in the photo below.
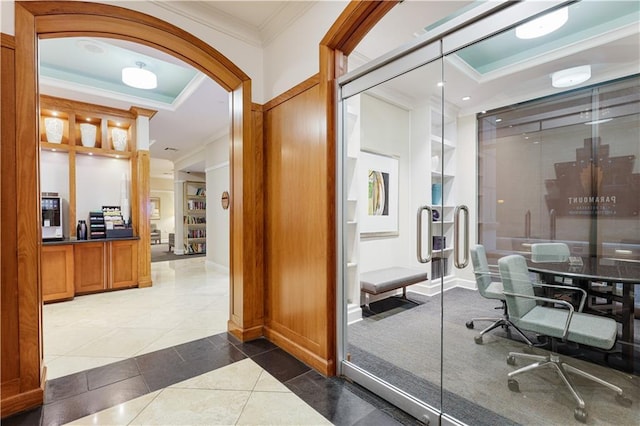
(160, 356)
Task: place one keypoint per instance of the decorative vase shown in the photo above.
(88, 135)
(53, 128)
(119, 139)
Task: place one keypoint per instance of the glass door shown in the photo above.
(396, 216)
(547, 115)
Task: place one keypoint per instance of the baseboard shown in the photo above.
(354, 314)
(245, 334)
(22, 402)
(432, 287)
(177, 251)
(323, 366)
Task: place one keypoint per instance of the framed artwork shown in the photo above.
(378, 200)
(155, 207)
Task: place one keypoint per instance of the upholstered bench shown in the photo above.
(388, 279)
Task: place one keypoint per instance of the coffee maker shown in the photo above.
(51, 205)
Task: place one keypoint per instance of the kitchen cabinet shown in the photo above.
(123, 264)
(57, 273)
(90, 267)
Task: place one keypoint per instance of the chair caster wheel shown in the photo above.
(478, 340)
(623, 400)
(513, 385)
(469, 325)
(511, 360)
(580, 414)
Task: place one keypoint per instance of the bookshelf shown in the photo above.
(195, 217)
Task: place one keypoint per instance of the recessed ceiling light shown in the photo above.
(543, 25)
(138, 77)
(440, 83)
(498, 120)
(466, 98)
(571, 76)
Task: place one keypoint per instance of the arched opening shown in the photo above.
(62, 19)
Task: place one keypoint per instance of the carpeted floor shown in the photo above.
(161, 253)
(475, 383)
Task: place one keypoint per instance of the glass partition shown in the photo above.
(517, 165)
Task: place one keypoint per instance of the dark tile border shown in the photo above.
(81, 394)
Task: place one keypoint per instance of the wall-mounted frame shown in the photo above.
(378, 200)
(155, 207)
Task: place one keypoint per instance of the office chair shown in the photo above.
(565, 324)
(490, 290)
(550, 252)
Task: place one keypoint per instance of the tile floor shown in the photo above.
(120, 358)
(187, 301)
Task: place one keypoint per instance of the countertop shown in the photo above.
(96, 240)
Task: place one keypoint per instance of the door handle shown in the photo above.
(456, 237)
(419, 235)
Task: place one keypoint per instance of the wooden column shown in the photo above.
(246, 255)
(24, 388)
(140, 193)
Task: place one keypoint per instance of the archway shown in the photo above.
(62, 19)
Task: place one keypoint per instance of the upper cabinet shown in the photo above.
(85, 128)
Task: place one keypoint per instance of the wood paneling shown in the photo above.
(28, 204)
(296, 231)
(90, 267)
(8, 224)
(123, 264)
(57, 272)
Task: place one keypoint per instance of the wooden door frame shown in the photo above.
(48, 19)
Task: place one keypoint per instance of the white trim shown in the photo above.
(217, 166)
(171, 191)
(354, 313)
(179, 252)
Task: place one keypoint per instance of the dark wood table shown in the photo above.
(608, 270)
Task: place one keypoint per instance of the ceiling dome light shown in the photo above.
(543, 25)
(571, 76)
(139, 77)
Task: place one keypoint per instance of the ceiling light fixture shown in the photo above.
(139, 77)
(571, 76)
(466, 98)
(543, 25)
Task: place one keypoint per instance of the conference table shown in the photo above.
(591, 273)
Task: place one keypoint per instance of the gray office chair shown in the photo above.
(565, 324)
(489, 289)
(550, 252)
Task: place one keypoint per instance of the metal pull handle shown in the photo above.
(419, 235)
(456, 237)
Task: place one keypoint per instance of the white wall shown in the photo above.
(385, 129)
(163, 189)
(217, 175)
(98, 183)
(294, 55)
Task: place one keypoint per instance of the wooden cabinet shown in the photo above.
(57, 272)
(123, 264)
(90, 267)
